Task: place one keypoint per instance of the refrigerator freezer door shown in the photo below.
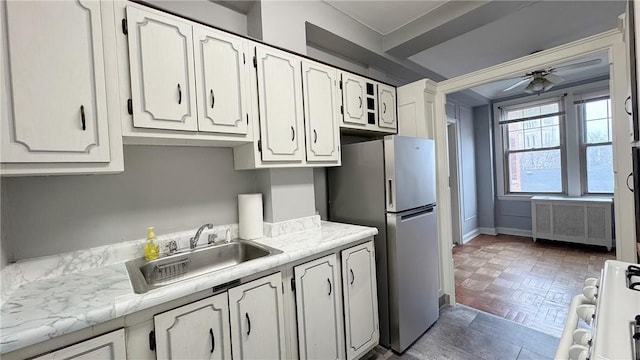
(413, 275)
(410, 172)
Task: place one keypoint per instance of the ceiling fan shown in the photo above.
(543, 80)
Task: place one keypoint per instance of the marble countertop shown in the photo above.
(40, 310)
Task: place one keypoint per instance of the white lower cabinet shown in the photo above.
(360, 300)
(109, 346)
(319, 309)
(257, 319)
(199, 330)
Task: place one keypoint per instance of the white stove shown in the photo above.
(604, 321)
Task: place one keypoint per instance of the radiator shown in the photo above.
(578, 220)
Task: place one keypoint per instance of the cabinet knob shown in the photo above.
(82, 118)
(179, 94)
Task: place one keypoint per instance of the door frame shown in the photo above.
(453, 154)
(610, 41)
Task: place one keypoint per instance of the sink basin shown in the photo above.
(147, 275)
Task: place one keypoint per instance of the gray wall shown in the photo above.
(171, 188)
(513, 214)
(287, 193)
(482, 133)
(207, 12)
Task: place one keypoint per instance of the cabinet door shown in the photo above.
(280, 105)
(162, 75)
(320, 112)
(257, 319)
(387, 106)
(360, 301)
(199, 330)
(220, 82)
(57, 82)
(319, 310)
(353, 97)
(105, 347)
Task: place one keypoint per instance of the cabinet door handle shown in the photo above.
(384, 108)
(293, 134)
(248, 324)
(179, 94)
(626, 107)
(629, 186)
(329, 281)
(353, 277)
(213, 340)
(82, 118)
(315, 136)
(213, 99)
(360, 99)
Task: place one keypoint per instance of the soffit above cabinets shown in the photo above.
(385, 16)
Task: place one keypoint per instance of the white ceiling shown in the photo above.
(540, 26)
(495, 89)
(385, 16)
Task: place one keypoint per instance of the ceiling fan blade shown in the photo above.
(555, 79)
(577, 65)
(527, 79)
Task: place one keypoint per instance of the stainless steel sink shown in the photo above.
(147, 275)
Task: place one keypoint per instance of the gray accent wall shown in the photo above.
(469, 207)
(171, 188)
(482, 134)
(287, 193)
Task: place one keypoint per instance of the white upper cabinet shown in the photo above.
(199, 330)
(53, 61)
(162, 71)
(220, 80)
(257, 319)
(321, 112)
(387, 107)
(353, 99)
(360, 299)
(319, 309)
(280, 105)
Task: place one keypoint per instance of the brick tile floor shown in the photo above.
(529, 283)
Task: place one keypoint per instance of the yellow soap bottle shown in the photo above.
(151, 249)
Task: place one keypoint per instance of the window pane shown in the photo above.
(536, 171)
(550, 136)
(597, 131)
(597, 109)
(600, 169)
(534, 134)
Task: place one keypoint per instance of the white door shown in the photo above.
(199, 330)
(353, 98)
(360, 301)
(319, 310)
(162, 75)
(387, 106)
(220, 81)
(109, 346)
(320, 112)
(57, 83)
(280, 104)
(257, 319)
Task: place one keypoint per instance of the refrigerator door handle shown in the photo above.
(390, 192)
(416, 214)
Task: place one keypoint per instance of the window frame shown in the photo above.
(504, 133)
(592, 95)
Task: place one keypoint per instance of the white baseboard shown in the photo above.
(488, 231)
(470, 235)
(514, 232)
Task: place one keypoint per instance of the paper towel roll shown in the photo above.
(250, 216)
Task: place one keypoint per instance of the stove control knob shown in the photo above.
(592, 282)
(586, 312)
(591, 293)
(581, 336)
(578, 352)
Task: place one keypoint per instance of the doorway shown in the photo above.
(454, 182)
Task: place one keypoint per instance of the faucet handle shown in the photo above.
(212, 238)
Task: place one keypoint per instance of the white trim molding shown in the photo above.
(514, 232)
(488, 231)
(470, 235)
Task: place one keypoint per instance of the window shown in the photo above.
(532, 144)
(594, 113)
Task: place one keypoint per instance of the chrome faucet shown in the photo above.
(193, 242)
